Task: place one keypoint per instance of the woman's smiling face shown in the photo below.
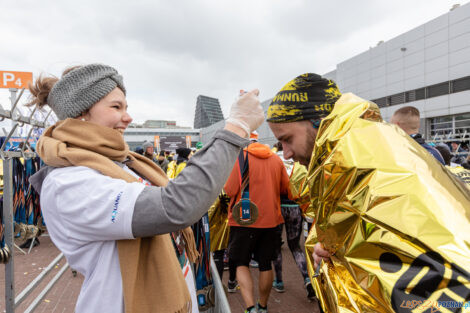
(111, 111)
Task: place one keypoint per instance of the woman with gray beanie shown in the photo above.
(109, 210)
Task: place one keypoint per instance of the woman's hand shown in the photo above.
(246, 114)
(319, 253)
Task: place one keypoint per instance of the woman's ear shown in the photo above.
(83, 116)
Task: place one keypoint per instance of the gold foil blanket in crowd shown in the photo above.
(396, 220)
(299, 191)
(462, 173)
(218, 221)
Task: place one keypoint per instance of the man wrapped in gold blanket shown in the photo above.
(392, 225)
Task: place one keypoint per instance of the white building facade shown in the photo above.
(135, 137)
(427, 67)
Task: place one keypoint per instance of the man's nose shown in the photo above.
(287, 153)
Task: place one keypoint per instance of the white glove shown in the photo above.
(247, 112)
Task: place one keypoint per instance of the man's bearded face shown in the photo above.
(297, 138)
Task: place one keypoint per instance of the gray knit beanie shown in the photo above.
(147, 144)
(79, 89)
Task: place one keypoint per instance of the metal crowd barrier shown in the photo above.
(221, 302)
(18, 120)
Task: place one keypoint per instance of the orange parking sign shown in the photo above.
(18, 80)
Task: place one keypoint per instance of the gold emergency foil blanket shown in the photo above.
(462, 173)
(396, 220)
(298, 189)
(218, 225)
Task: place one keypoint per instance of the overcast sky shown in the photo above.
(169, 52)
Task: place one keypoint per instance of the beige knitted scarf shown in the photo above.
(151, 274)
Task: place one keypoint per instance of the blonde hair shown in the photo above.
(407, 118)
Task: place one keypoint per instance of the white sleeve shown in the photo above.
(90, 206)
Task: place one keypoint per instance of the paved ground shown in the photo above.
(63, 296)
(294, 299)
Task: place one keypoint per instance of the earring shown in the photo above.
(83, 119)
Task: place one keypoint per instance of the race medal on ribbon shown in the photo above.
(245, 212)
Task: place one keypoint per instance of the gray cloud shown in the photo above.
(169, 52)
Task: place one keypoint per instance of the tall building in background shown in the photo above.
(208, 112)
